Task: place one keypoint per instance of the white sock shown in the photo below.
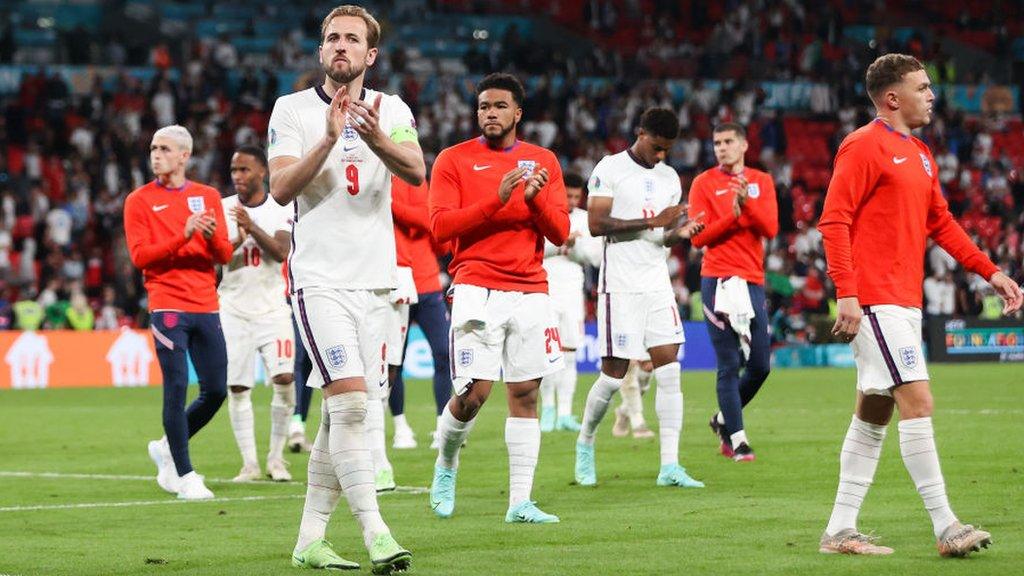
(240, 414)
(375, 434)
(352, 462)
(917, 445)
(668, 404)
(597, 404)
(548, 385)
(720, 419)
(632, 403)
(452, 433)
(857, 464)
(738, 438)
(522, 437)
(566, 384)
(281, 407)
(400, 422)
(322, 488)
(643, 379)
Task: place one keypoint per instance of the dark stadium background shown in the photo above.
(84, 84)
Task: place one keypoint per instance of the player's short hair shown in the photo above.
(177, 133)
(573, 180)
(502, 81)
(254, 151)
(731, 127)
(660, 122)
(372, 26)
(888, 70)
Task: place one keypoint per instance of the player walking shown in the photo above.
(175, 231)
(496, 198)
(741, 215)
(332, 150)
(883, 203)
(634, 204)
(255, 315)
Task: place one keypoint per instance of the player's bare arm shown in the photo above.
(602, 223)
(290, 175)
(404, 160)
(1009, 291)
(276, 246)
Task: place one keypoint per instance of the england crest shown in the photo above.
(621, 340)
(530, 166)
(197, 204)
(465, 357)
(753, 190)
(908, 356)
(927, 164)
(349, 134)
(337, 356)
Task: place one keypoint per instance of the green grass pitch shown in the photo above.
(759, 518)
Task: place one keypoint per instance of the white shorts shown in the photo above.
(343, 331)
(570, 310)
(887, 349)
(398, 315)
(273, 337)
(631, 323)
(502, 335)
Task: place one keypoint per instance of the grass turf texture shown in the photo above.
(765, 517)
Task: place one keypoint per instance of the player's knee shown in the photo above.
(283, 379)
(238, 390)
(347, 407)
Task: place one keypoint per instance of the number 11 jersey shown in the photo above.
(343, 234)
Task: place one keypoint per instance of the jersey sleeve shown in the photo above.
(284, 134)
(550, 207)
(448, 219)
(715, 229)
(948, 234)
(232, 225)
(854, 174)
(220, 246)
(400, 126)
(762, 215)
(284, 216)
(600, 183)
(143, 248)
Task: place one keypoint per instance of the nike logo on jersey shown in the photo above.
(898, 160)
(348, 148)
(720, 192)
(479, 168)
(159, 207)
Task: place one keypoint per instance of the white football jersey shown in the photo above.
(253, 285)
(343, 235)
(565, 269)
(634, 261)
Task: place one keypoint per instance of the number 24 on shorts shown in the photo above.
(551, 335)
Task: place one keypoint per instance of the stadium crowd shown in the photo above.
(68, 160)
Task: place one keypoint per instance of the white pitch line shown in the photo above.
(142, 503)
(77, 476)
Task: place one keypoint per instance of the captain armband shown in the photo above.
(404, 134)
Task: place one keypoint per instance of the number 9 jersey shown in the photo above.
(343, 234)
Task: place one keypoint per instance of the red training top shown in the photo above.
(882, 204)
(735, 246)
(496, 246)
(178, 272)
(413, 242)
